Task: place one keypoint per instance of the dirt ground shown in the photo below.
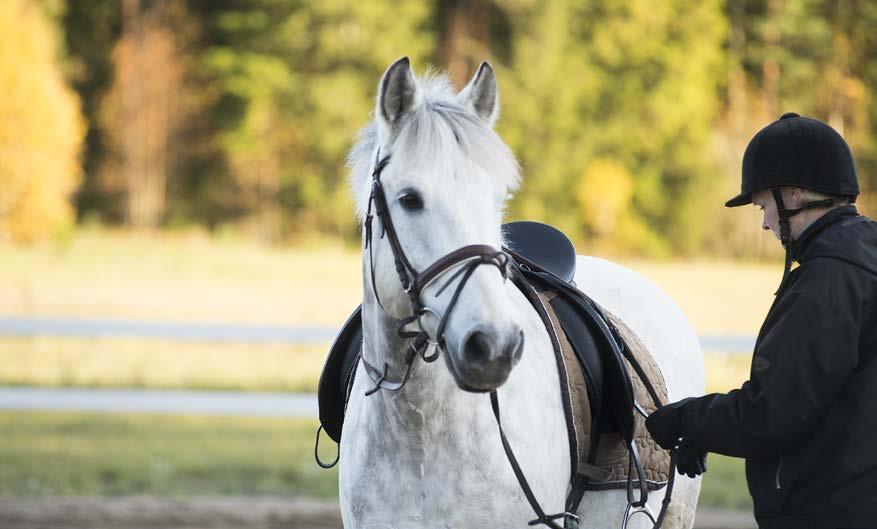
(217, 513)
(165, 513)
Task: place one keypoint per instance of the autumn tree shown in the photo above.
(143, 110)
(41, 129)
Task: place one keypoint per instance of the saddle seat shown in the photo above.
(544, 245)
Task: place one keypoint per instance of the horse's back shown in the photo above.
(656, 319)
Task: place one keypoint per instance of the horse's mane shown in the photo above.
(440, 131)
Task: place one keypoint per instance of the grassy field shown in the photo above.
(194, 278)
(138, 363)
(101, 274)
(56, 454)
(179, 278)
(724, 484)
(52, 454)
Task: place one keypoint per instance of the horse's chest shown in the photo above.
(434, 501)
(450, 485)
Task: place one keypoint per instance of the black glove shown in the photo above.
(665, 424)
(690, 460)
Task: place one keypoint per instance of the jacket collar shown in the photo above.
(800, 246)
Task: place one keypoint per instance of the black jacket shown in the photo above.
(806, 420)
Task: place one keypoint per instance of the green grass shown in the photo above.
(191, 277)
(56, 454)
(78, 454)
(724, 484)
(168, 364)
(102, 274)
(186, 277)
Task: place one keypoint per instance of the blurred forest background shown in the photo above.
(629, 117)
(129, 129)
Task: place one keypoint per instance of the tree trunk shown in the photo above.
(464, 37)
(770, 67)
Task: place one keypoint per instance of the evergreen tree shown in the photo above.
(296, 81)
(609, 95)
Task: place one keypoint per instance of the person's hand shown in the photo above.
(690, 460)
(665, 424)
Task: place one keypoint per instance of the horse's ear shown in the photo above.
(398, 95)
(481, 94)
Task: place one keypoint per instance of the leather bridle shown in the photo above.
(413, 283)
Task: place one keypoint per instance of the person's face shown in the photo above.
(764, 201)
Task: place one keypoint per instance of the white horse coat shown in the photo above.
(430, 455)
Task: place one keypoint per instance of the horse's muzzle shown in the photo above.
(486, 358)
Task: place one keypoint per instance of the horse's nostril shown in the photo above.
(515, 347)
(480, 349)
(477, 348)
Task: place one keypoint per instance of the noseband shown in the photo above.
(413, 283)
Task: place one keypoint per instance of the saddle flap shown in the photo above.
(580, 337)
(619, 396)
(599, 352)
(338, 374)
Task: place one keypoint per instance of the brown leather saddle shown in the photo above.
(547, 260)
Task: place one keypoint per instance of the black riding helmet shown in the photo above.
(799, 152)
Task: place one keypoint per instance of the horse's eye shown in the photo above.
(410, 200)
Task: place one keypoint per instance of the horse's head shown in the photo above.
(444, 187)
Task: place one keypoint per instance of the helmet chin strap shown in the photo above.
(786, 229)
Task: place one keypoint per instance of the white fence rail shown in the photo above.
(292, 334)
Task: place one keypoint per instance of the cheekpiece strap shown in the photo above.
(413, 282)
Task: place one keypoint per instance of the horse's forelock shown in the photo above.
(440, 131)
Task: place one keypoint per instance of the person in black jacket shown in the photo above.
(806, 420)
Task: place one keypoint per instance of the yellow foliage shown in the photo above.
(41, 129)
(603, 193)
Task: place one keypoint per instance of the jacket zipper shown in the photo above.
(779, 468)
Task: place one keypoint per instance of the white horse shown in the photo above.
(430, 454)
